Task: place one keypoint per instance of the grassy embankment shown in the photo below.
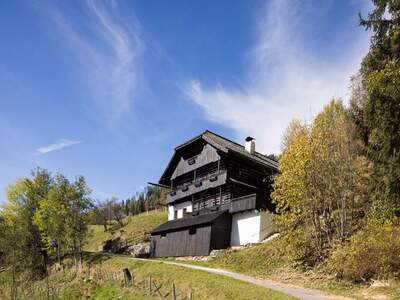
(135, 230)
(104, 280)
(268, 261)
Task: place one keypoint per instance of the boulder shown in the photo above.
(139, 250)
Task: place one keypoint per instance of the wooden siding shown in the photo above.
(212, 198)
(196, 240)
(208, 154)
(182, 243)
(207, 182)
(221, 232)
(247, 202)
(243, 203)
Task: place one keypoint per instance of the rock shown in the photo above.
(271, 237)
(139, 250)
(215, 253)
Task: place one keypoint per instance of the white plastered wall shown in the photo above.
(179, 207)
(245, 228)
(251, 227)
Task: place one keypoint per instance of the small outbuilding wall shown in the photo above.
(188, 242)
(251, 227)
(245, 228)
(198, 237)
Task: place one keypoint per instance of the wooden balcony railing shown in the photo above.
(200, 184)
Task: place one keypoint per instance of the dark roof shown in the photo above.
(187, 222)
(224, 145)
(227, 145)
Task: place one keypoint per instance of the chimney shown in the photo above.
(250, 145)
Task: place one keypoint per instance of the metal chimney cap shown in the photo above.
(249, 139)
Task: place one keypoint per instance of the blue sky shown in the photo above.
(107, 89)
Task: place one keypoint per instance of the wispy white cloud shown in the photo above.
(108, 49)
(286, 77)
(58, 145)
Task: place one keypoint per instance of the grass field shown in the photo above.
(135, 230)
(104, 280)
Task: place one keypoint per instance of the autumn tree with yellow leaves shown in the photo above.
(320, 192)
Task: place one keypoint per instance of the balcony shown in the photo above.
(243, 203)
(199, 185)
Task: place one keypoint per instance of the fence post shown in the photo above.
(150, 285)
(127, 276)
(173, 291)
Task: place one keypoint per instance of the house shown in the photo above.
(219, 197)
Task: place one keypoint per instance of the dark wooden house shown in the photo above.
(220, 197)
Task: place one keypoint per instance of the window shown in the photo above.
(192, 231)
(213, 178)
(163, 235)
(175, 214)
(184, 210)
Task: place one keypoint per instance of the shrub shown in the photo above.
(112, 245)
(373, 251)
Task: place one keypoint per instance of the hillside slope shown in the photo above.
(136, 229)
(103, 279)
(269, 261)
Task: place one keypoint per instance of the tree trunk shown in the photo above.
(58, 252)
(105, 225)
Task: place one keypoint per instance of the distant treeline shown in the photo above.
(152, 197)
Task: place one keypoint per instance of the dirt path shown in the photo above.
(295, 291)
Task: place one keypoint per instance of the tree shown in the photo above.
(78, 208)
(51, 215)
(12, 246)
(117, 211)
(376, 111)
(23, 200)
(101, 214)
(321, 188)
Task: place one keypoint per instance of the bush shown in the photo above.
(113, 245)
(373, 252)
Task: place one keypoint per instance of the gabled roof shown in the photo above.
(225, 145)
(184, 223)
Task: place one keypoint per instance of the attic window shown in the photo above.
(213, 178)
(191, 161)
(192, 231)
